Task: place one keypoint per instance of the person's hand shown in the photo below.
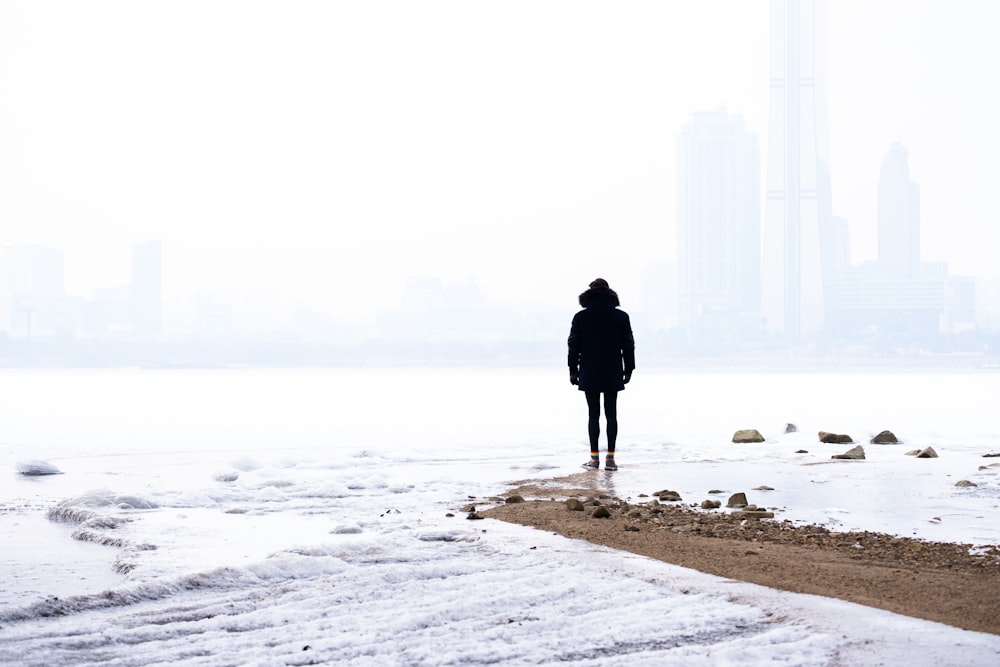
(626, 377)
(574, 377)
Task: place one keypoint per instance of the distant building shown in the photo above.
(874, 299)
(435, 310)
(960, 304)
(797, 216)
(33, 299)
(836, 249)
(899, 295)
(987, 305)
(133, 310)
(718, 225)
(898, 216)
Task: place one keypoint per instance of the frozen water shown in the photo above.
(288, 517)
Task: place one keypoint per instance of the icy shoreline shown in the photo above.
(317, 500)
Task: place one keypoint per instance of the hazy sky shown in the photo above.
(327, 150)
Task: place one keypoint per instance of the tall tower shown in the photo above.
(898, 216)
(718, 197)
(797, 214)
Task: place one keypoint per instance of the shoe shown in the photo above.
(592, 464)
(610, 465)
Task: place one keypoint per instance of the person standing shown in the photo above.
(601, 361)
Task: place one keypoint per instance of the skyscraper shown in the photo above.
(898, 216)
(797, 215)
(32, 292)
(718, 197)
(899, 295)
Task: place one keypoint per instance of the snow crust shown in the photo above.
(248, 538)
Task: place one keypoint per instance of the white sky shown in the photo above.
(329, 150)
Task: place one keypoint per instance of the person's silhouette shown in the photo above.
(601, 361)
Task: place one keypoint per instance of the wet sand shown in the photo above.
(935, 581)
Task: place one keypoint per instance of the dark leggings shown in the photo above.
(594, 417)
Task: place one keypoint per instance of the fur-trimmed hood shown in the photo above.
(599, 296)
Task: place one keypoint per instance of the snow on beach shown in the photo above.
(300, 517)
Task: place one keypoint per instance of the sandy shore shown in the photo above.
(934, 581)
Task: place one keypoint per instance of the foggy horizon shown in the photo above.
(311, 161)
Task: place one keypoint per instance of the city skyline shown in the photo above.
(34, 303)
(529, 150)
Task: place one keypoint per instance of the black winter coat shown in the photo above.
(601, 345)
